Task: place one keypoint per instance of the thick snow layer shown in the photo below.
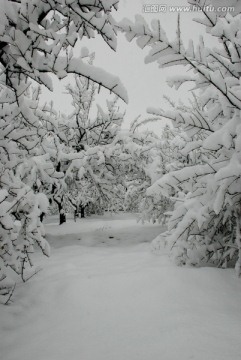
(103, 295)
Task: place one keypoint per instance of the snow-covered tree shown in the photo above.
(163, 158)
(86, 135)
(205, 223)
(36, 39)
(144, 168)
(24, 167)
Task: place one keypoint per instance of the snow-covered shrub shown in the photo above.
(205, 223)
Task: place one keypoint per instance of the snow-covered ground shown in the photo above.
(103, 295)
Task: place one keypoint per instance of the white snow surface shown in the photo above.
(103, 295)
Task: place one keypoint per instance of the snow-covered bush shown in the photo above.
(205, 223)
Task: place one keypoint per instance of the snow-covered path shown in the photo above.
(104, 296)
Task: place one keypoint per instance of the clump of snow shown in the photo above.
(43, 202)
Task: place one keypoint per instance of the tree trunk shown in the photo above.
(76, 213)
(42, 216)
(82, 211)
(62, 216)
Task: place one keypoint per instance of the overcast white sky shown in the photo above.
(146, 84)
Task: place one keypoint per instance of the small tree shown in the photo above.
(91, 174)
